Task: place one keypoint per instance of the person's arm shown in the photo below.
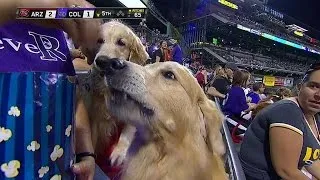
(286, 140)
(251, 106)
(285, 149)
(83, 130)
(158, 55)
(157, 59)
(205, 77)
(213, 92)
(314, 169)
(85, 168)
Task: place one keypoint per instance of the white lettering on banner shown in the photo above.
(46, 46)
(288, 82)
(31, 47)
(15, 47)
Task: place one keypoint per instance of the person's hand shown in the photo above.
(83, 32)
(85, 169)
(76, 53)
(252, 106)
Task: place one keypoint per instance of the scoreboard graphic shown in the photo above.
(81, 13)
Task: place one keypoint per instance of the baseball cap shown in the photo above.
(231, 66)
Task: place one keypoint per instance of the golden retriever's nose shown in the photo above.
(110, 66)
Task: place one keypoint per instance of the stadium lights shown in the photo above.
(133, 3)
(274, 38)
(298, 33)
(229, 4)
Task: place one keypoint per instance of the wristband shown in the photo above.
(85, 154)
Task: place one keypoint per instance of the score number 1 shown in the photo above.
(88, 14)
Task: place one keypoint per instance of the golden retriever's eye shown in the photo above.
(120, 42)
(100, 41)
(169, 75)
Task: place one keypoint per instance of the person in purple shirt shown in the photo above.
(176, 51)
(236, 101)
(33, 48)
(254, 95)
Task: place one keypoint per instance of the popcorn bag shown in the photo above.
(36, 126)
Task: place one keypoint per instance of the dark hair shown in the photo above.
(257, 86)
(162, 42)
(307, 74)
(240, 77)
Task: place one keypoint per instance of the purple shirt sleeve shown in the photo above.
(236, 102)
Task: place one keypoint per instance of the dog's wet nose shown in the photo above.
(110, 66)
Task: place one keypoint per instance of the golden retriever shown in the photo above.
(118, 42)
(178, 128)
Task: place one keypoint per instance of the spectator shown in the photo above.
(257, 89)
(160, 53)
(236, 101)
(218, 71)
(222, 82)
(284, 137)
(259, 108)
(284, 92)
(202, 76)
(176, 51)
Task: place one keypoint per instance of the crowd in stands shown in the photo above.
(269, 123)
(260, 63)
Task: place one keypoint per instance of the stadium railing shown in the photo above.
(232, 159)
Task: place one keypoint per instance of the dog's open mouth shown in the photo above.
(121, 98)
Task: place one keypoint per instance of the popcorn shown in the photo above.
(56, 153)
(68, 131)
(34, 146)
(56, 177)
(14, 111)
(42, 171)
(11, 169)
(5, 134)
(48, 128)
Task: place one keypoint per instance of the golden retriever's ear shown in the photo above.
(213, 120)
(138, 52)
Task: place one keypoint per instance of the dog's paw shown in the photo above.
(119, 154)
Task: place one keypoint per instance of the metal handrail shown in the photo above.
(233, 158)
